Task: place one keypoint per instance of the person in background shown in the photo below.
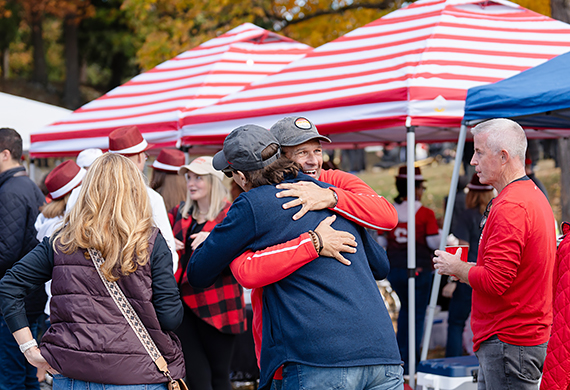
(165, 178)
(529, 170)
(427, 239)
(511, 312)
(129, 142)
(90, 343)
(86, 157)
(59, 182)
(556, 374)
(213, 316)
(20, 201)
(465, 227)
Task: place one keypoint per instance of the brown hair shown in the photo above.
(275, 172)
(171, 186)
(478, 199)
(55, 208)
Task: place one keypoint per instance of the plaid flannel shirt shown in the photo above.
(220, 305)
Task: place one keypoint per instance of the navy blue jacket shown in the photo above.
(324, 314)
(20, 200)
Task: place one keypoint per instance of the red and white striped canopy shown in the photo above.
(153, 100)
(412, 67)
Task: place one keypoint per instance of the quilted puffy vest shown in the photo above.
(90, 340)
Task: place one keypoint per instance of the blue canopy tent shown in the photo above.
(539, 100)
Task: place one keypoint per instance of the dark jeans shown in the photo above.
(207, 353)
(398, 278)
(459, 309)
(509, 367)
(15, 371)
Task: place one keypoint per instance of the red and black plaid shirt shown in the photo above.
(220, 305)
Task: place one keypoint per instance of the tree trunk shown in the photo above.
(561, 11)
(6, 64)
(71, 96)
(40, 66)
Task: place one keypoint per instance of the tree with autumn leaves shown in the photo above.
(113, 40)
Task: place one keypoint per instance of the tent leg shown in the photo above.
(411, 186)
(444, 234)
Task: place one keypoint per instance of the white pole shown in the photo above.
(410, 170)
(444, 234)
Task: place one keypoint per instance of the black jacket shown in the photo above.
(20, 200)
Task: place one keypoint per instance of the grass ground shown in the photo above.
(439, 179)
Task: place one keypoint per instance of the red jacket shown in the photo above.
(220, 305)
(556, 374)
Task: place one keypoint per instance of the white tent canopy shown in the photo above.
(26, 116)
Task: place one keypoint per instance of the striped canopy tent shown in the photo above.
(412, 67)
(153, 100)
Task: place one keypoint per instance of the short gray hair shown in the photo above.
(504, 134)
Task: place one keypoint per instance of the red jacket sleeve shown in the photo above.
(359, 203)
(258, 269)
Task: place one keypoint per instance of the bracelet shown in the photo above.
(320, 243)
(335, 197)
(315, 240)
(27, 345)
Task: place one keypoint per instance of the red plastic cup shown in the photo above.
(464, 251)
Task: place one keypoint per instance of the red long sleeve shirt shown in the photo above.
(512, 281)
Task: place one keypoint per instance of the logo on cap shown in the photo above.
(303, 123)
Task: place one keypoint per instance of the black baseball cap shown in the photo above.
(243, 147)
(295, 130)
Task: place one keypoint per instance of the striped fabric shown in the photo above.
(153, 100)
(413, 66)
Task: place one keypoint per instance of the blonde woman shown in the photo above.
(214, 315)
(89, 341)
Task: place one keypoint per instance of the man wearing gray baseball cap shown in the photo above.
(306, 311)
(350, 197)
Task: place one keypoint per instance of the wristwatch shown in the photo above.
(27, 345)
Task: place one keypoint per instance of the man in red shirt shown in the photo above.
(512, 280)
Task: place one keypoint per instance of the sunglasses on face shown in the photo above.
(229, 172)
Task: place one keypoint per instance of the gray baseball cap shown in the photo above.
(295, 130)
(243, 147)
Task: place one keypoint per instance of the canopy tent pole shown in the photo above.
(411, 186)
(444, 234)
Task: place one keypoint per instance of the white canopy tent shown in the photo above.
(27, 116)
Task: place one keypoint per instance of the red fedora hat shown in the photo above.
(169, 160)
(64, 178)
(127, 140)
(476, 185)
(403, 173)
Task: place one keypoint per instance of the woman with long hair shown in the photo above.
(467, 229)
(165, 178)
(90, 341)
(214, 315)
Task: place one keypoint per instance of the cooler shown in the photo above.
(456, 373)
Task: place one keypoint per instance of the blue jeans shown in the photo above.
(15, 371)
(61, 382)
(459, 309)
(398, 278)
(509, 367)
(302, 377)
